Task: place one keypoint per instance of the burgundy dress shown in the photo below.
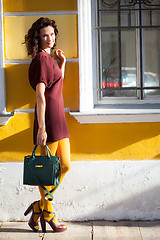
(44, 68)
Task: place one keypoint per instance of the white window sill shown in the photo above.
(117, 115)
(4, 118)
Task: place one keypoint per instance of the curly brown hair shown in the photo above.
(32, 38)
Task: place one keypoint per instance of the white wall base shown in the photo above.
(109, 190)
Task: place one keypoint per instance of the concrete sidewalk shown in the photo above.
(96, 230)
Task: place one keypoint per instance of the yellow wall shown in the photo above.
(19, 94)
(88, 141)
(39, 5)
(67, 36)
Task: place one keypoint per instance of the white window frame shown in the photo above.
(85, 55)
(87, 113)
(2, 76)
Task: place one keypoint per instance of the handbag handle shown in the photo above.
(48, 151)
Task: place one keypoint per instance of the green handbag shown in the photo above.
(42, 171)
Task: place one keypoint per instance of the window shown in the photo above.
(126, 35)
(119, 61)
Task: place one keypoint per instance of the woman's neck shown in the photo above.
(47, 50)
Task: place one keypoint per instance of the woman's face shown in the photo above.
(47, 37)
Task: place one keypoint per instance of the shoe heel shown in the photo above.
(43, 223)
(29, 209)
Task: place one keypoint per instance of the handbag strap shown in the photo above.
(49, 193)
(45, 189)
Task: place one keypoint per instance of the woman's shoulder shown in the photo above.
(41, 56)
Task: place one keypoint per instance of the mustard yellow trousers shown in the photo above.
(61, 149)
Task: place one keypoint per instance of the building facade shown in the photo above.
(112, 106)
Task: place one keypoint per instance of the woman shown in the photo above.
(50, 127)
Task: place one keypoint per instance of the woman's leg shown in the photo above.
(62, 150)
(45, 204)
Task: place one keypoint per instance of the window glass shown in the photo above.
(110, 61)
(151, 58)
(109, 19)
(128, 18)
(128, 59)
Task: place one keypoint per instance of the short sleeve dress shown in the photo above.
(44, 68)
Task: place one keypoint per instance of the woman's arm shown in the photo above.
(41, 107)
(60, 55)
